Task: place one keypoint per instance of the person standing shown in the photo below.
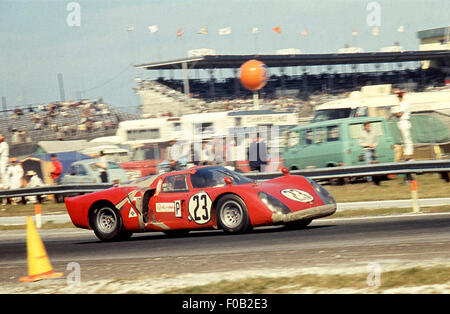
(56, 169)
(402, 112)
(15, 175)
(102, 165)
(369, 142)
(4, 157)
(34, 181)
(257, 154)
(207, 154)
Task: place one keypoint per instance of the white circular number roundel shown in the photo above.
(200, 208)
(297, 195)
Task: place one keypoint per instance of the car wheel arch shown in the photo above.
(218, 197)
(97, 205)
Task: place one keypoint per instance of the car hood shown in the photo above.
(296, 192)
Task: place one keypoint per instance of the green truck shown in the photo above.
(332, 143)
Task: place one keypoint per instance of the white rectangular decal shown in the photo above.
(165, 207)
(178, 209)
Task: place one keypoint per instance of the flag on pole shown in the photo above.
(225, 31)
(277, 29)
(180, 33)
(401, 29)
(354, 32)
(203, 31)
(255, 30)
(375, 31)
(304, 33)
(153, 28)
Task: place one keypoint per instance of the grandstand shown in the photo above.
(23, 128)
(341, 73)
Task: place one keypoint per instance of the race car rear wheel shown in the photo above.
(107, 224)
(232, 215)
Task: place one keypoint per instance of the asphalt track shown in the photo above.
(421, 238)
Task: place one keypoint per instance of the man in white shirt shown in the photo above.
(207, 154)
(102, 165)
(368, 141)
(402, 112)
(15, 175)
(34, 181)
(4, 157)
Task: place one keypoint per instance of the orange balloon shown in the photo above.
(254, 75)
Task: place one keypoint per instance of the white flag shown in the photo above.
(401, 29)
(153, 28)
(375, 31)
(255, 30)
(225, 31)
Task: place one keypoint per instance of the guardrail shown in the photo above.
(381, 169)
(375, 170)
(54, 189)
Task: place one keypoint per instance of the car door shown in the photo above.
(333, 146)
(83, 175)
(169, 205)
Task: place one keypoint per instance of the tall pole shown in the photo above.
(255, 100)
(186, 80)
(4, 105)
(61, 87)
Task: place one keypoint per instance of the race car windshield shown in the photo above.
(213, 177)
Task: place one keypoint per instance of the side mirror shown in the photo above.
(228, 181)
(285, 171)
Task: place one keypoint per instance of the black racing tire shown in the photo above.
(232, 214)
(124, 234)
(107, 224)
(299, 224)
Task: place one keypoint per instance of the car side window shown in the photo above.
(357, 128)
(332, 133)
(113, 165)
(306, 137)
(81, 170)
(318, 135)
(293, 138)
(176, 183)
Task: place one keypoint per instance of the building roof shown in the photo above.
(235, 61)
(434, 32)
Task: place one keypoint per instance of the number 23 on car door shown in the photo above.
(200, 208)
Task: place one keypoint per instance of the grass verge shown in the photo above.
(430, 185)
(410, 277)
(387, 211)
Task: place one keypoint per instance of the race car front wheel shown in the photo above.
(107, 224)
(232, 215)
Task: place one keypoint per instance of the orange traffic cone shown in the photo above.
(38, 263)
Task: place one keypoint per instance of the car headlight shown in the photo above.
(322, 191)
(273, 203)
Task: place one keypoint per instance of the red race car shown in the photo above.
(199, 198)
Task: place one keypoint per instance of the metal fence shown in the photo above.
(375, 170)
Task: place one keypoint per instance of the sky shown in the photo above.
(94, 43)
